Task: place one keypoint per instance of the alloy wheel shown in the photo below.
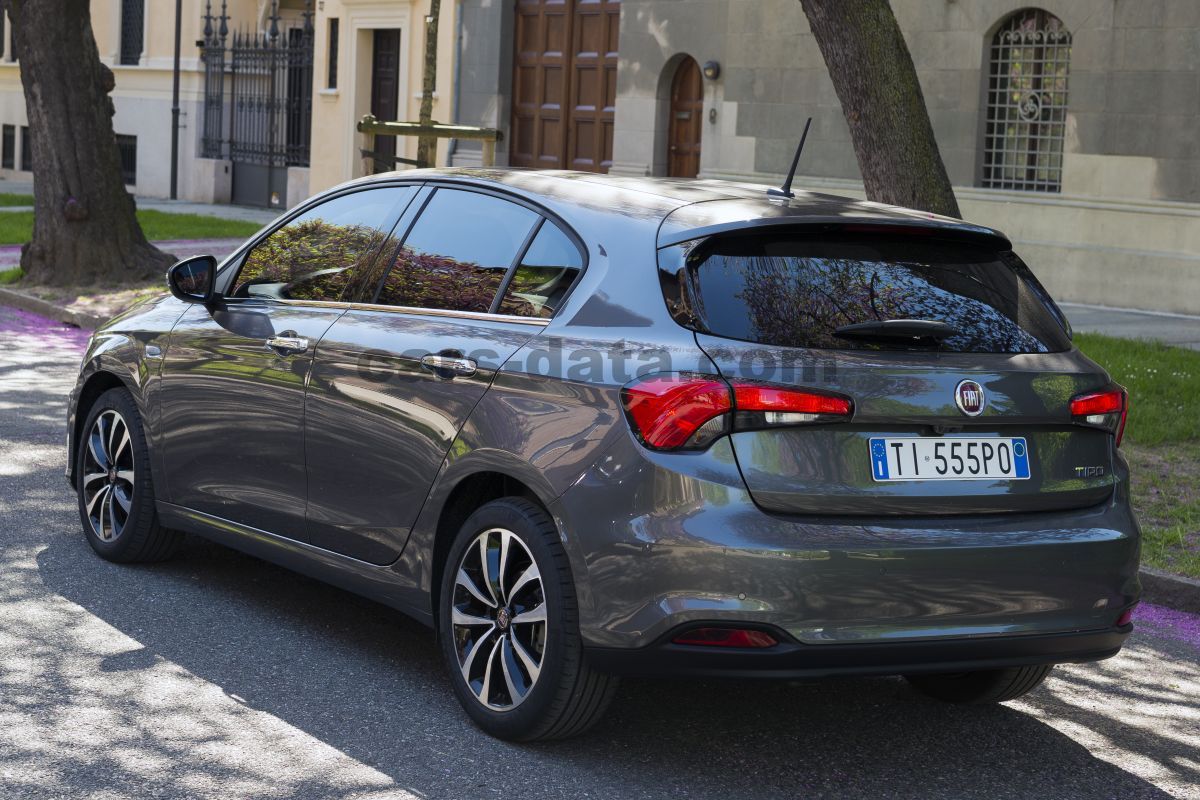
(498, 618)
(108, 475)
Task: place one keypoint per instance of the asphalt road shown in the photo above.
(220, 676)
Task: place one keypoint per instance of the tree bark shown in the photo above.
(877, 85)
(84, 229)
(427, 145)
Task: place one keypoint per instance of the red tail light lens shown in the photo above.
(1107, 408)
(666, 410)
(804, 405)
(676, 411)
(726, 637)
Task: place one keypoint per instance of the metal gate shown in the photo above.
(261, 81)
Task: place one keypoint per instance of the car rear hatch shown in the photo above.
(966, 409)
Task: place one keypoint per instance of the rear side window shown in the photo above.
(458, 252)
(544, 276)
(796, 291)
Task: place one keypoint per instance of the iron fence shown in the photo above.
(263, 80)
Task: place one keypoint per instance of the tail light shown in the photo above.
(685, 411)
(726, 637)
(1105, 409)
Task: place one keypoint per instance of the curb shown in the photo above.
(1172, 591)
(36, 305)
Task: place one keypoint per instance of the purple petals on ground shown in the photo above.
(1169, 622)
(41, 329)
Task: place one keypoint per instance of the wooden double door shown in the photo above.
(564, 84)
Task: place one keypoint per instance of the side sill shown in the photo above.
(379, 583)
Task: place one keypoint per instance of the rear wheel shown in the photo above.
(987, 686)
(510, 628)
(116, 491)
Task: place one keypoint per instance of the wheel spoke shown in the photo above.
(96, 446)
(97, 497)
(469, 660)
(486, 691)
(121, 445)
(505, 657)
(125, 475)
(464, 580)
(532, 668)
(505, 543)
(485, 564)
(125, 502)
(112, 514)
(112, 435)
(92, 477)
(530, 574)
(103, 515)
(537, 614)
(468, 620)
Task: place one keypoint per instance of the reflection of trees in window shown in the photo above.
(800, 302)
(428, 280)
(313, 260)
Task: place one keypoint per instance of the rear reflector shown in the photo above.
(1125, 618)
(726, 637)
(674, 411)
(1107, 408)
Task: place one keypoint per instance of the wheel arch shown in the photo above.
(95, 385)
(470, 492)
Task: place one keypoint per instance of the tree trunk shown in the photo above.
(881, 97)
(427, 145)
(84, 226)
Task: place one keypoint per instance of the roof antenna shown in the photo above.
(786, 189)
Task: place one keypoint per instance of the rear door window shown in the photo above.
(326, 252)
(458, 252)
(797, 291)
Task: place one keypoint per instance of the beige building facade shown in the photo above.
(353, 71)
(341, 82)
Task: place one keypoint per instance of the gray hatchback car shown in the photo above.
(586, 426)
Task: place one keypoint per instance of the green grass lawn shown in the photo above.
(1162, 443)
(16, 227)
(10, 200)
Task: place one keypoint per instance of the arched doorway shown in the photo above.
(687, 111)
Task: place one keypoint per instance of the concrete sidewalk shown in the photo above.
(1180, 330)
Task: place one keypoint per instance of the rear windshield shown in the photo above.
(793, 291)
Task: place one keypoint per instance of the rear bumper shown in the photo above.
(791, 659)
(660, 542)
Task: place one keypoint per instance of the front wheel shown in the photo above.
(510, 628)
(986, 686)
(115, 488)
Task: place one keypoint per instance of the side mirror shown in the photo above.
(192, 279)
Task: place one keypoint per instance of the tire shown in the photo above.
(491, 652)
(112, 466)
(977, 688)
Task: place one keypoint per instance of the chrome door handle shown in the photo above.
(288, 344)
(455, 364)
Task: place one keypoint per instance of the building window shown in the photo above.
(1027, 103)
(132, 26)
(331, 76)
(26, 150)
(127, 148)
(8, 148)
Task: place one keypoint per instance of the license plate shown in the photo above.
(938, 458)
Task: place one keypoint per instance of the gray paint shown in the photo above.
(655, 540)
